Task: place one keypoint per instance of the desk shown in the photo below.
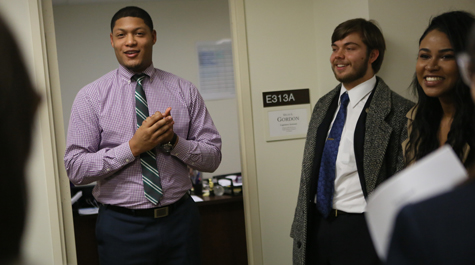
(223, 231)
(222, 226)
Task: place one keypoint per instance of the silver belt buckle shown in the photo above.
(160, 212)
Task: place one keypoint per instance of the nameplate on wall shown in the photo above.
(286, 97)
(287, 114)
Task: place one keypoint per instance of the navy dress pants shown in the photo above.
(342, 240)
(172, 240)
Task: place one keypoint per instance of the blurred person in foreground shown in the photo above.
(18, 104)
(440, 230)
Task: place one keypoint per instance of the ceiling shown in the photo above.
(78, 2)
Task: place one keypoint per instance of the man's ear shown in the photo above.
(154, 36)
(373, 55)
(112, 42)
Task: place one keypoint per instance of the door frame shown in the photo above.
(237, 14)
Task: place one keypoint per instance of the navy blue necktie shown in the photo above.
(151, 180)
(326, 176)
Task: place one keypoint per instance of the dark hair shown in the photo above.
(423, 138)
(370, 34)
(18, 103)
(132, 11)
(471, 50)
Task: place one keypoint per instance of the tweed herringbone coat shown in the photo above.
(385, 130)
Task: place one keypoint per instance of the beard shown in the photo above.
(359, 72)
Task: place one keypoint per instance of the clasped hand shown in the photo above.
(156, 129)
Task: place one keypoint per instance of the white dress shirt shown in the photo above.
(348, 195)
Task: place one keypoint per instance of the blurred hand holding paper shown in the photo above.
(436, 173)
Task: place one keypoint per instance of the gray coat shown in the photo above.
(385, 130)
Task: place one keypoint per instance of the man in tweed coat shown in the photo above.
(368, 153)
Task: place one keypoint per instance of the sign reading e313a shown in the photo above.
(286, 97)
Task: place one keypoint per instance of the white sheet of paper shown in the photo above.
(436, 173)
(76, 197)
(196, 198)
(88, 211)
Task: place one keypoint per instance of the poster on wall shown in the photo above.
(287, 115)
(216, 69)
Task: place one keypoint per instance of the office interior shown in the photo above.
(277, 45)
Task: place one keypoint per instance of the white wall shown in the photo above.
(282, 56)
(85, 53)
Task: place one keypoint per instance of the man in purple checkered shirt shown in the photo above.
(104, 145)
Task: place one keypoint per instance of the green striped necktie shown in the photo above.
(151, 179)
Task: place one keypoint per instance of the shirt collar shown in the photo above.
(360, 91)
(127, 74)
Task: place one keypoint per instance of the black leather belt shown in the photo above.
(158, 212)
(336, 213)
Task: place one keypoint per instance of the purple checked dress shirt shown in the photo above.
(103, 121)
